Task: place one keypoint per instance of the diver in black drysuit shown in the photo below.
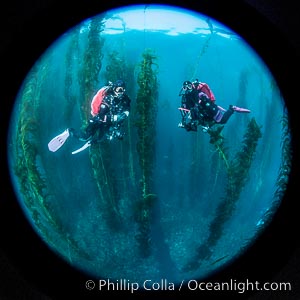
(113, 111)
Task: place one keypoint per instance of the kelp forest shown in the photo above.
(164, 196)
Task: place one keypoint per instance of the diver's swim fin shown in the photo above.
(86, 145)
(58, 141)
(240, 109)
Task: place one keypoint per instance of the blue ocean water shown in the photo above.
(89, 207)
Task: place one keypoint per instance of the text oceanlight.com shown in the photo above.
(192, 285)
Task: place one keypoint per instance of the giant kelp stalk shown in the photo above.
(146, 110)
(270, 121)
(70, 59)
(203, 49)
(219, 158)
(217, 140)
(215, 135)
(104, 157)
(32, 179)
(90, 67)
(284, 170)
(237, 174)
(286, 160)
(100, 155)
(118, 68)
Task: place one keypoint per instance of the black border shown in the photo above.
(28, 269)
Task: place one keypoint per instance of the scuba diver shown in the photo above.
(109, 108)
(198, 107)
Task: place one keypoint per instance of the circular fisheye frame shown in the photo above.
(126, 172)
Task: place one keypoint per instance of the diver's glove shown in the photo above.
(119, 118)
(99, 119)
(95, 119)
